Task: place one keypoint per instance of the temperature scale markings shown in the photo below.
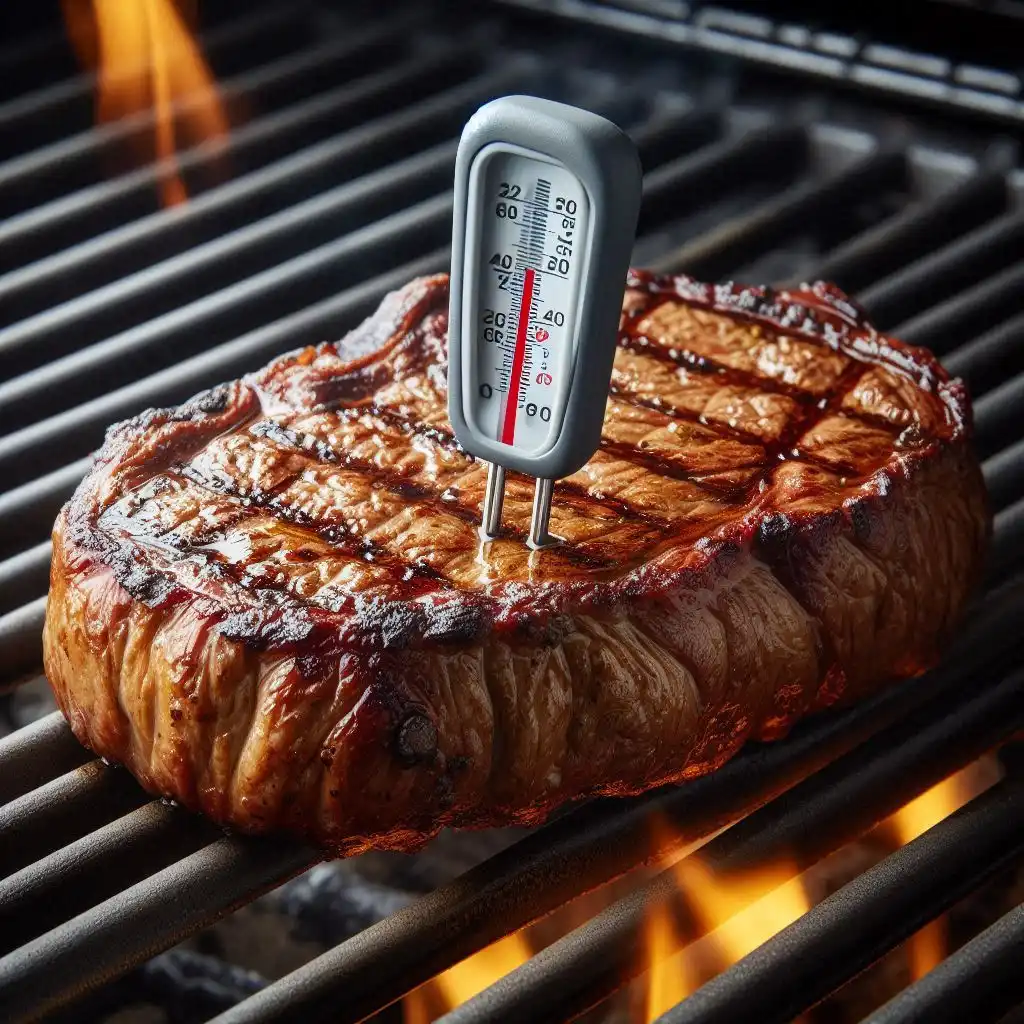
(543, 207)
(508, 428)
(530, 253)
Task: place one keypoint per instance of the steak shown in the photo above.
(274, 605)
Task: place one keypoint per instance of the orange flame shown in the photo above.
(148, 61)
(928, 947)
(739, 914)
(670, 978)
(735, 916)
(743, 912)
(463, 981)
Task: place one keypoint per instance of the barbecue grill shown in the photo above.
(777, 145)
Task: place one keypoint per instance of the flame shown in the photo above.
(463, 981)
(928, 947)
(931, 807)
(670, 978)
(148, 61)
(735, 915)
(743, 912)
(738, 914)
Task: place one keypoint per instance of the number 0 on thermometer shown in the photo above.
(546, 201)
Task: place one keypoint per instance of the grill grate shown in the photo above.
(979, 978)
(568, 977)
(840, 45)
(337, 192)
(827, 810)
(889, 902)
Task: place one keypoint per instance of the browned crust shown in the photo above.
(496, 709)
(138, 448)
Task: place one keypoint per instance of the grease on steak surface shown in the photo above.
(273, 604)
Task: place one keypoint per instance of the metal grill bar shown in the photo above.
(70, 162)
(19, 639)
(75, 431)
(742, 239)
(988, 360)
(27, 512)
(62, 811)
(695, 178)
(979, 983)
(997, 413)
(142, 920)
(937, 276)
(961, 317)
(919, 229)
(75, 877)
(670, 132)
(850, 929)
(1007, 551)
(804, 825)
(33, 682)
(99, 260)
(36, 753)
(24, 574)
(585, 849)
(1004, 476)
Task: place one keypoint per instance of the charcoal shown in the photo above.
(329, 903)
(193, 987)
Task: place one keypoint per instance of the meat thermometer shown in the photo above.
(546, 204)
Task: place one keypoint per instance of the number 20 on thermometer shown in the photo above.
(546, 200)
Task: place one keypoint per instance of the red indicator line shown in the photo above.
(508, 427)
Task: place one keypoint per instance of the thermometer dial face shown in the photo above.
(533, 234)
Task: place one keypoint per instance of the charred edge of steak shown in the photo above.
(819, 312)
(822, 312)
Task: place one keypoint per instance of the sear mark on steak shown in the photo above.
(273, 603)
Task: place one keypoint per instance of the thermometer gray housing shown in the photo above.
(605, 161)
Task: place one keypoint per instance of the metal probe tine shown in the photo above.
(494, 499)
(539, 536)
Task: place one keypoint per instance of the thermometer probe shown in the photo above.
(546, 203)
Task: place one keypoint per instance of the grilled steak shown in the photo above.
(273, 603)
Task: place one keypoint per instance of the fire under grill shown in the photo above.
(331, 189)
